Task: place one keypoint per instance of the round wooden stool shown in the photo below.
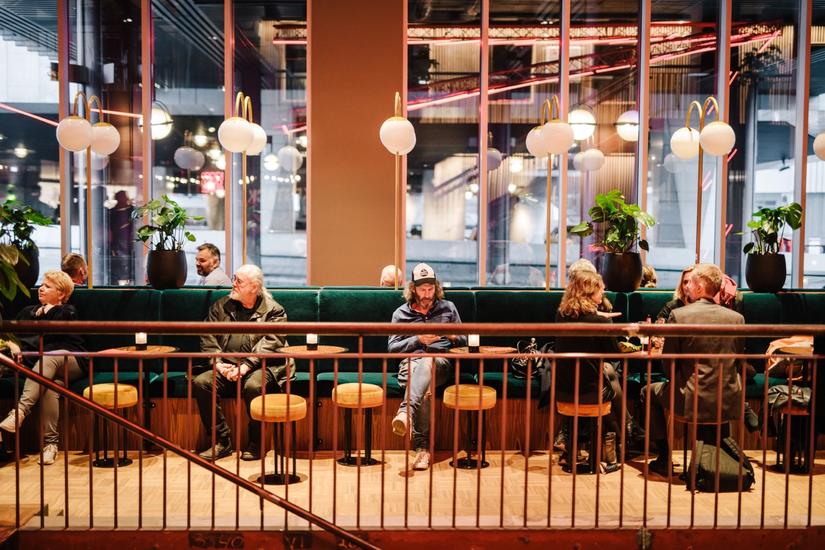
(357, 396)
(590, 412)
(476, 399)
(111, 396)
(278, 409)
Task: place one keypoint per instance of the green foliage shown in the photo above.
(9, 281)
(166, 229)
(768, 225)
(622, 223)
(17, 223)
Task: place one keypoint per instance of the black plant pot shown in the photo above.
(765, 272)
(622, 272)
(166, 269)
(28, 272)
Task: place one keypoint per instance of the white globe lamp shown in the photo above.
(819, 146)
(105, 138)
(535, 143)
(397, 135)
(258, 140)
(235, 134)
(99, 162)
(583, 123)
(717, 138)
(685, 143)
(74, 133)
(592, 160)
(494, 158)
(290, 158)
(557, 136)
(577, 160)
(627, 125)
(671, 163)
(188, 158)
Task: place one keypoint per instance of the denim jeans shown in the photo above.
(415, 374)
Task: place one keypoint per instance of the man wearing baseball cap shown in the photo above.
(425, 303)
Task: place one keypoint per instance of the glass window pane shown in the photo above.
(815, 200)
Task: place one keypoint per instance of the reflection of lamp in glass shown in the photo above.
(398, 136)
(583, 123)
(271, 162)
(553, 137)
(717, 139)
(494, 156)
(671, 163)
(200, 140)
(75, 134)
(160, 120)
(627, 125)
(20, 151)
(289, 158)
(188, 158)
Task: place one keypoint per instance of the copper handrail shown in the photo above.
(191, 457)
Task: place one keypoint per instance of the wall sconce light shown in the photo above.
(76, 133)
(583, 124)
(717, 139)
(397, 134)
(160, 119)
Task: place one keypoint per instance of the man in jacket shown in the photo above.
(425, 303)
(703, 284)
(249, 301)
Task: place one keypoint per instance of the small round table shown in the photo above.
(303, 350)
(485, 349)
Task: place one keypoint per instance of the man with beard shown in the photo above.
(208, 264)
(249, 301)
(425, 303)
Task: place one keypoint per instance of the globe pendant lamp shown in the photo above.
(76, 133)
(556, 133)
(627, 125)
(397, 135)
(583, 123)
(534, 143)
(592, 160)
(290, 158)
(819, 146)
(240, 134)
(187, 157)
(716, 139)
(494, 156)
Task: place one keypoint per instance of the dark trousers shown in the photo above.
(250, 389)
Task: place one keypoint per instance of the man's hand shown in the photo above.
(14, 351)
(608, 314)
(224, 369)
(428, 339)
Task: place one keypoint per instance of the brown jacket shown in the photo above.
(706, 385)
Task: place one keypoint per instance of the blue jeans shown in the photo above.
(418, 393)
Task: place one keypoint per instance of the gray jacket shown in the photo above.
(706, 385)
(268, 311)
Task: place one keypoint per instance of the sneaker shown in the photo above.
(220, 450)
(251, 453)
(422, 460)
(399, 424)
(49, 453)
(13, 420)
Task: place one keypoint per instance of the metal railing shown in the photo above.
(504, 496)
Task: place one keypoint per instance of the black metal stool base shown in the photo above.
(356, 460)
(110, 462)
(468, 463)
(278, 479)
(581, 468)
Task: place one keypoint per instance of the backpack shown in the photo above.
(729, 453)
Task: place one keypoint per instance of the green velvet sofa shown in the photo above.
(365, 304)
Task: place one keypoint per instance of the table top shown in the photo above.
(797, 350)
(322, 348)
(485, 349)
(151, 349)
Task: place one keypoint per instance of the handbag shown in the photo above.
(729, 455)
(525, 363)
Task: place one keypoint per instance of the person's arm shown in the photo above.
(269, 343)
(209, 342)
(403, 343)
(457, 340)
(672, 342)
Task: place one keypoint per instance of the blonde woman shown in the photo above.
(53, 294)
(680, 295)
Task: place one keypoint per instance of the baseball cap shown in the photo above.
(422, 274)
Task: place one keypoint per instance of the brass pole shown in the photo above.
(398, 230)
(700, 110)
(547, 107)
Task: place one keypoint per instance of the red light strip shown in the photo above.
(26, 113)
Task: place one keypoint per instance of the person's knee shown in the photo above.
(202, 383)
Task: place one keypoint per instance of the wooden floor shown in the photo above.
(336, 496)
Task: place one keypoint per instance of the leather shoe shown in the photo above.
(659, 467)
(251, 453)
(752, 420)
(220, 450)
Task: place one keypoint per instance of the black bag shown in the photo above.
(729, 453)
(525, 362)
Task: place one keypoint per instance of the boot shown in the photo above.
(634, 437)
(562, 438)
(610, 464)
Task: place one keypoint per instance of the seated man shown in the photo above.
(425, 303)
(701, 287)
(75, 267)
(249, 301)
(208, 265)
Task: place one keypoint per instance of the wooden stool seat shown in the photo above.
(347, 395)
(278, 407)
(104, 395)
(589, 410)
(465, 397)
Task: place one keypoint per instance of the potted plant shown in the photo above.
(765, 269)
(622, 269)
(17, 223)
(164, 235)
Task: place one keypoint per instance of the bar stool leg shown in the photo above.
(279, 460)
(468, 462)
(347, 459)
(368, 460)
